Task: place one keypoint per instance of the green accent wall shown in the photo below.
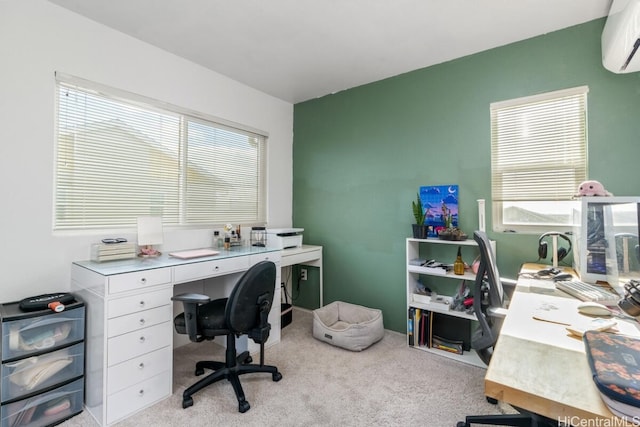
(360, 155)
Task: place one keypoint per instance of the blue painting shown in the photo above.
(441, 205)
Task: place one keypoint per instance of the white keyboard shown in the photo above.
(588, 292)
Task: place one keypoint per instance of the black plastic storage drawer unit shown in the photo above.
(42, 371)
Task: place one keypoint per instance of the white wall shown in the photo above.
(38, 38)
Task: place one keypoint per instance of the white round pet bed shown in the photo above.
(349, 326)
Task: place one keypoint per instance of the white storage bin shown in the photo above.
(44, 409)
(31, 335)
(32, 374)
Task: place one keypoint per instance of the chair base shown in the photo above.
(517, 420)
(230, 370)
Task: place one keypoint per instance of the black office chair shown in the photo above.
(488, 305)
(244, 312)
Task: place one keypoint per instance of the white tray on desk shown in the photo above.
(194, 253)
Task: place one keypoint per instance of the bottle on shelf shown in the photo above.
(217, 240)
(458, 265)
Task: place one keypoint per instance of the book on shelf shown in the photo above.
(431, 329)
(425, 327)
(416, 325)
(410, 325)
(419, 327)
(452, 346)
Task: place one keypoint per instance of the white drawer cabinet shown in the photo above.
(129, 344)
(129, 340)
(42, 368)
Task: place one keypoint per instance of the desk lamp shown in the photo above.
(149, 234)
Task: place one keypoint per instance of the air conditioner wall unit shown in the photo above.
(621, 37)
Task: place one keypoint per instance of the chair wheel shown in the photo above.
(248, 360)
(199, 371)
(243, 406)
(186, 402)
(462, 424)
(277, 376)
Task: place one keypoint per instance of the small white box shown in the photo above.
(111, 252)
(424, 299)
(284, 238)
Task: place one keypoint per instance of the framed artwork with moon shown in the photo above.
(441, 205)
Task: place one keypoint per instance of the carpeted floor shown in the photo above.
(388, 384)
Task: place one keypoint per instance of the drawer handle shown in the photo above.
(141, 303)
(141, 393)
(143, 280)
(142, 340)
(142, 321)
(216, 268)
(141, 366)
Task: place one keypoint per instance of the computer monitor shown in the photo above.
(604, 236)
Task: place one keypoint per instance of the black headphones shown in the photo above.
(562, 252)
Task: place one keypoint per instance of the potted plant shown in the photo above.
(449, 232)
(420, 214)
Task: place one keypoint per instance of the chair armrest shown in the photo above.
(497, 312)
(508, 283)
(191, 298)
(509, 287)
(190, 303)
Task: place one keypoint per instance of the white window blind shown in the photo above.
(120, 156)
(538, 157)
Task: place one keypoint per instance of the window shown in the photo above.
(120, 156)
(538, 159)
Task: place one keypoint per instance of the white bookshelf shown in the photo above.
(424, 303)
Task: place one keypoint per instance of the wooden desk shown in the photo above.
(305, 255)
(538, 366)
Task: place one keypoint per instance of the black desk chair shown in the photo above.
(488, 305)
(244, 312)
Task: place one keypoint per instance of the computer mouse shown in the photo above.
(593, 309)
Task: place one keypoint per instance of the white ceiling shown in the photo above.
(297, 50)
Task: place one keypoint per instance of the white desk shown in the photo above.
(539, 366)
(304, 255)
(129, 345)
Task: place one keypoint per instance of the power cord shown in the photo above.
(288, 279)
